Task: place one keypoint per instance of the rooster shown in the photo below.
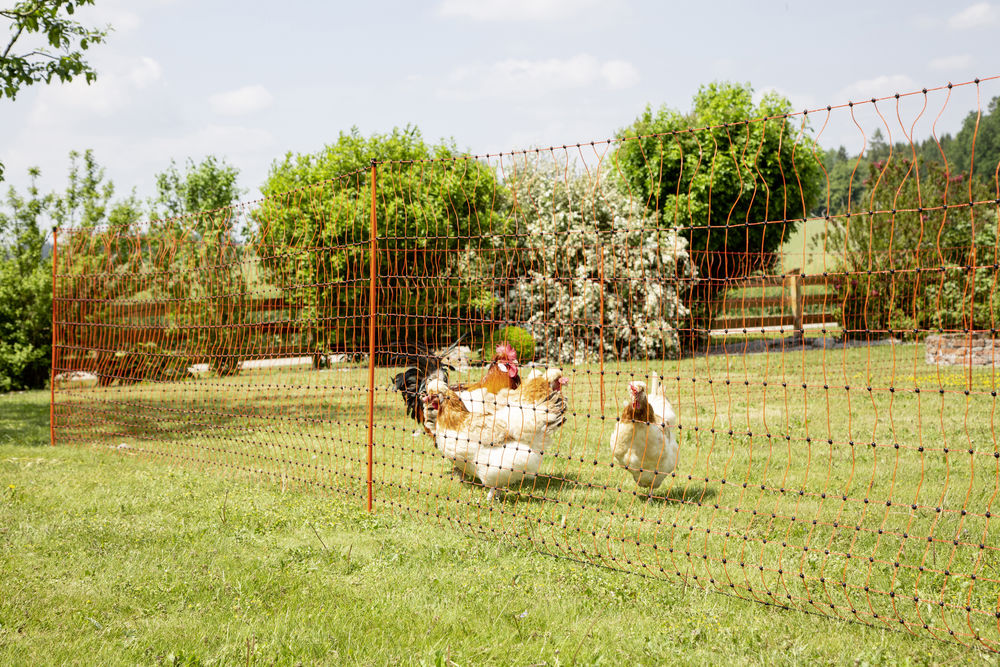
(502, 373)
(499, 449)
(412, 382)
(643, 441)
(531, 392)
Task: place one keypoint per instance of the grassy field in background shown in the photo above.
(111, 556)
(800, 251)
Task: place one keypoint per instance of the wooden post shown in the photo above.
(371, 339)
(794, 282)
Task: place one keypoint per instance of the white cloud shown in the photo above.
(534, 78)
(514, 10)
(144, 72)
(880, 86)
(241, 101)
(124, 16)
(116, 87)
(951, 63)
(976, 16)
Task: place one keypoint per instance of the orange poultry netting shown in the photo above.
(717, 355)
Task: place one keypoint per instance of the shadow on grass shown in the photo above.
(542, 489)
(542, 484)
(685, 494)
(24, 418)
(177, 418)
(547, 488)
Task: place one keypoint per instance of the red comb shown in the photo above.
(507, 350)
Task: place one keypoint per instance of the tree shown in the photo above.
(207, 186)
(100, 255)
(845, 177)
(979, 134)
(734, 187)
(61, 58)
(924, 259)
(590, 245)
(25, 291)
(985, 129)
(199, 258)
(97, 265)
(88, 198)
(312, 232)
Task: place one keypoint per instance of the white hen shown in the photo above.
(658, 401)
(643, 441)
(500, 449)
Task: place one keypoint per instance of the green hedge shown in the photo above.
(520, 340)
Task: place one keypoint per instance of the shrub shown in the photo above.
(522, 342)
(586, 236)
(25, 293)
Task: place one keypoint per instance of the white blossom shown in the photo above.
(570, 227)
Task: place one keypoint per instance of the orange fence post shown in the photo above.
(371, 338)
(52, 361)
(600, 268)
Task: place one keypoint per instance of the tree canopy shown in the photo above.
(977, 144)
(314, 225)
(974, 149)
(720, 172)
(209, 185)
(59, 56)
(910, 271)
(25, 291)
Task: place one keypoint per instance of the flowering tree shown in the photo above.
(584, 239)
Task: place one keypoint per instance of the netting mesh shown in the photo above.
(820, 375)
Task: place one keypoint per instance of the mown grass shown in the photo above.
(109, 557)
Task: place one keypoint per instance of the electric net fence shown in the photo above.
(819, 360)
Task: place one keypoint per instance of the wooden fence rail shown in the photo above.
(741, 312)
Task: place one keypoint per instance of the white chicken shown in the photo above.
(643, 441)
(532, 391)
(499, 449)
(535, 388)
(478, 401)
(658, 401)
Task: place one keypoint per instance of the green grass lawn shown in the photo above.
(110, 553)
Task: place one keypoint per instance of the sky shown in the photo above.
(250, 81)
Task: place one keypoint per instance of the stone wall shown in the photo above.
(962, 349)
